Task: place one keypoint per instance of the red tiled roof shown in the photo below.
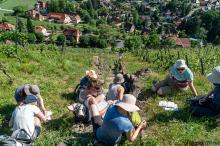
(7, 26)
(60, 16)
(39, 29)
(183, 42)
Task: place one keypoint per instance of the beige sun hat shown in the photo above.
(128, 103)
(214, 77)
(92, 74)
(119, 79)
(32, 90)
(180, 63)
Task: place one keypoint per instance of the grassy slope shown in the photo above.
(57, 77)
(9, 4)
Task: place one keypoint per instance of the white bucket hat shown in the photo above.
(128, 103)
(180, 63)
(32, 90)
(214, 77)
(91, 74)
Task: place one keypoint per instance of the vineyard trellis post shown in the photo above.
(202, 66)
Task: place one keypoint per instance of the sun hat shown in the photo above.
(91, 74)
(119, 78)
(214, 77)
(30, 99)
(32, 90)
(180, 63)
(128, 103)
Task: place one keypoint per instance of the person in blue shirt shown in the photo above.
(116, 122)
(209, 105)
(180, 78)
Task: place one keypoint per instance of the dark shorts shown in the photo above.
(36, 133)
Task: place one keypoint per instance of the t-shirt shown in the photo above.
(216, 96)
(17, 93)
(187, 75)
(23, 118)
(114, 124)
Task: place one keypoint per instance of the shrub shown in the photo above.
(31, 38)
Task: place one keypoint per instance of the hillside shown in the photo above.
(9, 4)
(57, 75)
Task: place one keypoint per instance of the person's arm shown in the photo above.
(41, 104)
(102, 112)
(191, 85)
(121, 91)
(41, 116)
(133, 134)
(205, 98)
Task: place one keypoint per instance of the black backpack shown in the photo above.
(18, 138)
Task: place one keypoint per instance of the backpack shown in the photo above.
(18, 138)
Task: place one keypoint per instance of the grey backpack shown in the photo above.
(18, 138)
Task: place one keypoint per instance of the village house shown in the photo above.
(6, 27)
(75, 18)
(40, 29)
(72, 33)
(59, 17)
(42, 5)
(181, 42)
(36, 15)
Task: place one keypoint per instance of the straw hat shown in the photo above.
(180, 63)
(128, 103)
(32, 90)
(119, 79)
(214, 77)
(92, 74)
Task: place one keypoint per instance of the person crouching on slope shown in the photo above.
(28, 116)
(180, 78)
(116, 122)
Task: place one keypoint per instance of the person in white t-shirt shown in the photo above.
(28, 117)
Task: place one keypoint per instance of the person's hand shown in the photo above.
(110, 102)
(143, 124)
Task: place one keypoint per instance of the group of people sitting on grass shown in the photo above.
(114, 114)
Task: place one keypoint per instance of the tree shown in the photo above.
(40, 37)
(61, 39)
(136, 18)
(20, 26)
(153, 40)
(19, 10)
(31, 38)
(30, 26)
(85, 41)
(133, 42)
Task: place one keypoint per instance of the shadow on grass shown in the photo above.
(73, 96)
(184, 115)
(5, 113)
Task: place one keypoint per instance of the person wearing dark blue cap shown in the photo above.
(28, 116)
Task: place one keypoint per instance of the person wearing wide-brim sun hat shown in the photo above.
(209, 105)
(116, 122)
(116, 90)
(180, 78)
(24, 90)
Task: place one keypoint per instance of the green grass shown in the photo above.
(57, 76)
(9, 4)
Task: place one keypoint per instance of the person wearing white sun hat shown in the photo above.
(116, 122)
(209, 105)
(180, 78)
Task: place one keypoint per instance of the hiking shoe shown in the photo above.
(74, 107)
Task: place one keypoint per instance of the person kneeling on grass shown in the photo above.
(179, 79)
(28, 117)
(209, 105)
(24, 90)
(116, 122)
